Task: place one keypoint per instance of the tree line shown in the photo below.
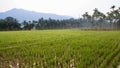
(110, 20)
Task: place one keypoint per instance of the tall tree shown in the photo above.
(113, 7)
(12, 23)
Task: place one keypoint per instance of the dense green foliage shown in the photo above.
(59, 49)
(9, 23)
(97, 20)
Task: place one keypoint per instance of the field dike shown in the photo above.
(114, 56)
(118, 66)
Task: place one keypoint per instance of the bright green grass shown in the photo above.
(59, 49)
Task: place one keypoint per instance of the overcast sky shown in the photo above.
(74, 8)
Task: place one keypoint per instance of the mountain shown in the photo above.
(21, 15)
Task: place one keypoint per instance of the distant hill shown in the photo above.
(21, 14)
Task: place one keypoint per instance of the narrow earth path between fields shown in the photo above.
(112, 59)
(114, 55)
(118, 66)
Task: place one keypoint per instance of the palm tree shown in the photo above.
(113, 7)
(85, 16)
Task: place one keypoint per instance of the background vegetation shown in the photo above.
(97, 20)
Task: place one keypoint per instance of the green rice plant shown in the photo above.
(59, 49)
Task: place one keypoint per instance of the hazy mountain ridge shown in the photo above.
(21, 14)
